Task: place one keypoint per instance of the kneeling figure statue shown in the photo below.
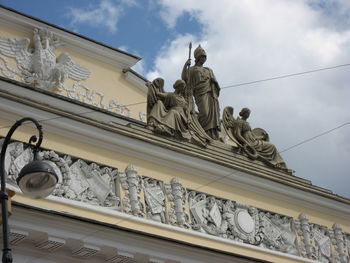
(169, 113)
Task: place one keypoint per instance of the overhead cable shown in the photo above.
(284, 76)
(314, 137)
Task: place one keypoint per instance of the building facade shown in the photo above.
(128, 194)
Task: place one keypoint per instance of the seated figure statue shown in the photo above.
(255, 143)
(169, 113)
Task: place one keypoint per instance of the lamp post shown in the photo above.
(36, 179)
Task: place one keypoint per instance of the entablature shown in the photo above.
(114, 132)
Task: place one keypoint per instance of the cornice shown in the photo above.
(127, 136)
(37, 222)
(74, 41)
(136, 79)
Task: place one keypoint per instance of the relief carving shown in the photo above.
(131, 183)
(39, 65)
(307, 248)
(244, 223)
(154, 199)
(278, 233)
(206, 214)
(339, 242)
(323, 244)
(347, 243)
(91, 183)
(6, 69)
(176, 194)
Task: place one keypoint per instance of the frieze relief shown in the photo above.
(131, 183)
(177, 195)
(154, 199)
(171, 203)
(36, 64)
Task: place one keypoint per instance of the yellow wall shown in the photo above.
(105, 78)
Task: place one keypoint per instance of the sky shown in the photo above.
(245, 41)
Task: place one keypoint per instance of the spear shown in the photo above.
(188, 91)
(189, 50)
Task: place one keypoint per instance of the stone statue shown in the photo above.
(157, 85)
(255, 143)
(169, 113)
(205, 89)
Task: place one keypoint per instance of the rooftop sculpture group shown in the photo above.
(174, 113)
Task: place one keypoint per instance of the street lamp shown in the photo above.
(36, 179)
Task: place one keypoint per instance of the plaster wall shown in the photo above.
(105, 78)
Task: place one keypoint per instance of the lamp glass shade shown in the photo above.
(37, 179)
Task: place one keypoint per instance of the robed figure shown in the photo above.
(170, 114)
(254, 142)
(205, 90)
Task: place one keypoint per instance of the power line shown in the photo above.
(285, 76)
(236, 85)
(314, 137)
(230, 86)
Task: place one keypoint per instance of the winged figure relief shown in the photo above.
(38, 64)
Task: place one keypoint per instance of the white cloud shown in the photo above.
(106, 14)
(251, 40)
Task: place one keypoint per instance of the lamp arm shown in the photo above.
(7, 255)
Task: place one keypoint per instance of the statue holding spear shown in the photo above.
(203, 86)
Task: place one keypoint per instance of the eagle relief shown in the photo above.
(38, 64)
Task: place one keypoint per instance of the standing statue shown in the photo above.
(170, 114)
(205, 89)
(255, 143)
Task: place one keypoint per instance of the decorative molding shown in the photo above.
(137, 81)
(50, 243)
(143, 116)
(131, 183)
(39, 67)
(154, 260)
(6, 69)
(103, 187)
(124, 138)
(177, 195)
(85, 251)
(339, 241)
(17, 236)
(154, 199)
(122, 257)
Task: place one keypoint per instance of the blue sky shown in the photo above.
(245, 41)
(135, 21)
